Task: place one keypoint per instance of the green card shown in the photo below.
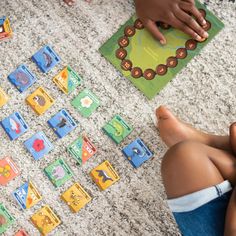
(117, 129)
(86, 103)
(6, 220)
(148, 64)
(74, 80)
(75, 149)
(58, 172)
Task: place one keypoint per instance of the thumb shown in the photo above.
(232, 132)
(153, 29)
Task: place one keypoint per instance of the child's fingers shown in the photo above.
(192, 23)
(153, 29)
(196, 13)
(190, 7)
(176, 23)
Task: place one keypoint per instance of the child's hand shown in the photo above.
(172, 12)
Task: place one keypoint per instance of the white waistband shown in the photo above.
(197, 199)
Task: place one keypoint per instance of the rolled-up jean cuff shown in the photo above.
(197, 199)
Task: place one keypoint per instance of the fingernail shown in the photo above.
(206, 35)
(162, 42)
(204, 22)
(198, 38)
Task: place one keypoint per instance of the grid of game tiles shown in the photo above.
(62, 123)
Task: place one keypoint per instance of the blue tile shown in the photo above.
(137, 153)
(38, 145)
(62, 123)
(14, 125)
(22, 78)
(46, 58)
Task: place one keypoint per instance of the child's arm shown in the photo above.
(176, 13)
(230, 223)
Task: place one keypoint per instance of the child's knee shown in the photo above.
(179, 154)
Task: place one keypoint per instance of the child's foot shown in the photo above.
(173, 131)
(233, 137)
(70, 2)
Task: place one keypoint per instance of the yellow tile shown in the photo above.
(33, 196)
(104, 175)
(7, 27)
(3, 98)
(76, 197)
(45, 220)
(40, 101)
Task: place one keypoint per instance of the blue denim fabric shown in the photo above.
(207, 220)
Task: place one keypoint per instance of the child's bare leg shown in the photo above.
(173, 131)
(233, 137)
(190, 166)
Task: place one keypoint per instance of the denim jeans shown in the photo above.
(207, 219)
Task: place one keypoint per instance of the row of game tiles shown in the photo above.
(46, 59)
(62, 123)
(40, 100)
(27, 195)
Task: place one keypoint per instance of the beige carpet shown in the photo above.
(204, 94)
